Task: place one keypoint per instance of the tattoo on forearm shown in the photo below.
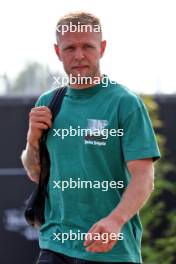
(31, 161)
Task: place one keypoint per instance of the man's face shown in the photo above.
(80, 53)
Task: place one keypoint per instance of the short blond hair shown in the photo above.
(79, 19)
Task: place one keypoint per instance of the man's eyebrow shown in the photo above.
(88, 44)
(68, 46)
(73, 45)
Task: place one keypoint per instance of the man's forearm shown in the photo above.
(31, 161)
(133, 199)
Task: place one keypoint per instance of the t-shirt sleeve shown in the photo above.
(139, 140)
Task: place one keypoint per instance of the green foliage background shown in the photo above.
(159, 221)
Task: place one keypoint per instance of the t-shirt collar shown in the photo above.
(90, 90)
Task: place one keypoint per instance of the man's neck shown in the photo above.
(94, 81)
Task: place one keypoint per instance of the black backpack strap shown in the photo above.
(56, 102)
(55, 106)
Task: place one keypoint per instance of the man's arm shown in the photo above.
(40, 118)
(138, 191)
(31, 161)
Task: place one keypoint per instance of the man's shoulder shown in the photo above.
(128, 102)
(45, 97)
(125, 96)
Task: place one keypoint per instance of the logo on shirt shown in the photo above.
(95, 132)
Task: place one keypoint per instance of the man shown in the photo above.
(122, 157)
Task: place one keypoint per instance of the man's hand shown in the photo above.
(39, 119)
(108, 225)
(134, 197)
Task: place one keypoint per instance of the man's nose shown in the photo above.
(79, 54)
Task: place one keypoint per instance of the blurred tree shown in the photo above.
(34, 79)
(158, 217)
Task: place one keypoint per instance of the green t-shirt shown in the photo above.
(94, 159)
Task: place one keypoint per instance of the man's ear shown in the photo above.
(57, 50)
(103, 46)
